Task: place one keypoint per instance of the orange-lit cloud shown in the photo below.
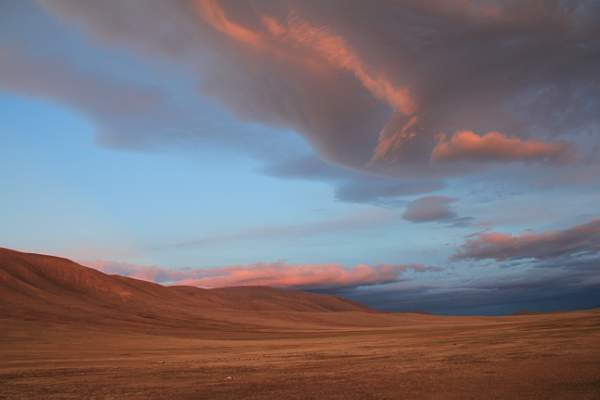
(393, 139)
(297, 34)
(213, 14)
(283, 275)
(495, 146)
(303, 276)
(337, 52)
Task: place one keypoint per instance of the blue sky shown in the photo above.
(225, 139)
(67, 194)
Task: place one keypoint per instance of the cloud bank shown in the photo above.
(579, 240)
(572, 288)
(279, 274)
(371, 86)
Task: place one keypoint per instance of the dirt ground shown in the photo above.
(551, 356)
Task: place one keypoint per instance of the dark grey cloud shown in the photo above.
(537, 290)
(371, 85)
(580, 240)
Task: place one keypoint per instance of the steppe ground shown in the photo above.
(550, 356)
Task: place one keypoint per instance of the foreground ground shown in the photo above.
(525, 357)
(70, 332)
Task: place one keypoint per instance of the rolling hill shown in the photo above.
(52, 288)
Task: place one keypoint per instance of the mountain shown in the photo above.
(47, 288)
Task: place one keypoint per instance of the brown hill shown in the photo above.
(46, 287)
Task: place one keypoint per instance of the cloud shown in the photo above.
(351, 185)
(573, 288)
(335, 50)
(343, 224)
(310, 168)
(429, 209)
(579, 240)
(573, 285)
(109, 102)
(150, 273)
(497, 147)
(154, 110)
(320, 276)
(383, 191)
(279, 274)
(370, 85)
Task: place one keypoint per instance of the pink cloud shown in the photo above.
(278, 274)
(495, 146)
(296, 34)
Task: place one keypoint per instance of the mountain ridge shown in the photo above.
(50, 287)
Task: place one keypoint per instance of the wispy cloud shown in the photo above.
(351, 185)
(355, 222)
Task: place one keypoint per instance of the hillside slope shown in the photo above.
(47, 287)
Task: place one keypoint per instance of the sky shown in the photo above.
(417, 155)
